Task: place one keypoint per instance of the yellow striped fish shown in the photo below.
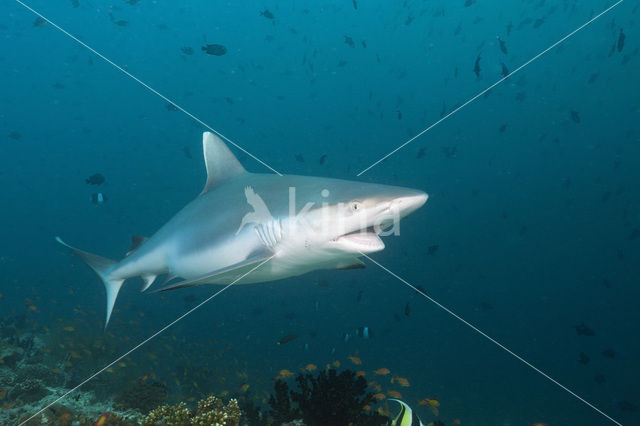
(406, 416)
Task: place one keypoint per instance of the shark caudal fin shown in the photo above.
(102, 266)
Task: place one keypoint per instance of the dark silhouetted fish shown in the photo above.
(348, 40)
(538, 22)
(299, 158)
(627, 406)
(431, 250)
(170, 107)
(503, 128)
(267, 14)
(600, 379)
(620, 43)
(443, 111)
(39, 22)
(593, 77)
(399, 114)
(420, 153)
(476, 66)
(583, 330)
(214, 49)
(16, 136)
(186, 151)
(355, 4)
(75, 4)
(609, 353)
(323, 158)
(635, 233)
(468, 3)
(509, 28)
(503, 45)
(286, 339)
(359, 297)
(187, 50)
(364, 44)
(583, 358)
(505, 71)
(575, 117)
(95, 179)
(407, 310)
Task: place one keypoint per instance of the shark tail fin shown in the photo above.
(103, 267)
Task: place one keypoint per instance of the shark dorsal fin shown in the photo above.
(220, 162)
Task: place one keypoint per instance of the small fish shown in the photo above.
(583, 330)
(323, 158)
(187, 152)
(16, 136)
(468, 3)
(310, 367)
(503, 45)
(620, 44)
(349, 41)
(170, 107)
(286, 339)
(575, 117)
(355, 360)
(420, 153)
(355, 4)
(102, 420)
(505, 71)
(583, 358)
(187, 50)
(379, 396)
(476, 66)
(538, 22)
(609, 353)
(39, 22)
(283, 374)
(394, 394)
(382, 371)
(95, 179)
(267, 14)
(68, 328)
(407, 310)
(299, 158)
(509, 28)
(214, 49)
(431, 250)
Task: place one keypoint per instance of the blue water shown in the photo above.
(534, 192)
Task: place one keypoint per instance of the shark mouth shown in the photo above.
(362, 240)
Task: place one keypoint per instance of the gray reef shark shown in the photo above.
(243, 219)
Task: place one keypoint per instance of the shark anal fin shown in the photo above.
(148, 280)
(102, 266)
(230, 272)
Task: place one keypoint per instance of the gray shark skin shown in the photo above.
(294, 224)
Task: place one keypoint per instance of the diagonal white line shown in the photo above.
(494, 341)
(490, 87)
(148, 339)
(145, 85)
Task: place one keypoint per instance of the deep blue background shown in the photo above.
(531, 220)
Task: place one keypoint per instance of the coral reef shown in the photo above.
(329, 398)
(210, 411)
(143, 396)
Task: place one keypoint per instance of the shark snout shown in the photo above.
(409, 203)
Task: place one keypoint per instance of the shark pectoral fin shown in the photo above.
(148, 280)
(102, 266)
(229, 272)
(220, 162)
(354, 263)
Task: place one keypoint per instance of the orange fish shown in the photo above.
(69, 328)
(102, 420)
(355, 360)
(382, 371)
(379, 396)
(310, 367)
(336, 363)
(394, 394)
(431, 402)
(283, 374)
(366, 407)
(456, 421)
(401, 381)
(360, 374)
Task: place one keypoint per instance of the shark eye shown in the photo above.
(356, 206)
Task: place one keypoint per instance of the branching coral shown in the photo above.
(211, 411)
